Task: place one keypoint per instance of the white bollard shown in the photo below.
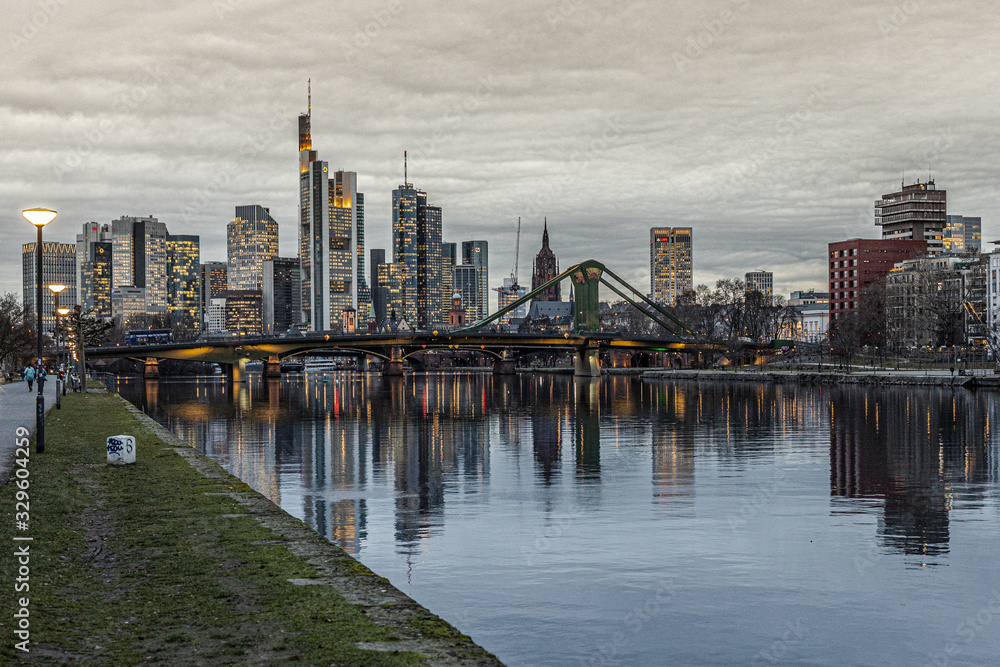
(121, 449)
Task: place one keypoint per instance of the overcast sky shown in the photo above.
(768, 127)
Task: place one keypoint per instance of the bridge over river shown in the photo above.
(503, 349)
(585, 342)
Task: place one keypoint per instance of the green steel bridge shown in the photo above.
(586, 341)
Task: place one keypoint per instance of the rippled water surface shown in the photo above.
(628, 522)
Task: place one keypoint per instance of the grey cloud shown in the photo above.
(505, 111)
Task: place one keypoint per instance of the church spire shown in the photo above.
(545, 233)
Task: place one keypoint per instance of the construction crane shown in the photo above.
(517, 253)
(503, 291)
(989, 334)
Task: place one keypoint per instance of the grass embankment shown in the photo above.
(158, 563)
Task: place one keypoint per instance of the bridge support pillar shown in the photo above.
(585, 364)
(272, 367)
(235, 373)
(506, 364)
(394, 366)
(151, 369)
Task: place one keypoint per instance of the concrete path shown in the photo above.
(17, 408)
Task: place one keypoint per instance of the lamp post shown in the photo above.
(63, 312)
(56, 289)
(39, 217)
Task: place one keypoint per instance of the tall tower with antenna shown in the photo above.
(417, 249)
(331, 237)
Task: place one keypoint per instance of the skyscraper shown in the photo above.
(508, 295)
(918, 212)
(962, 234)
(184, 284)
(760, 281)
(546, 268)
(252, 239)
(243, 312)
(476, 255)
(467, 284)
(670, 263)
(281, 293)
(92, 233)
(58, 267)
(416, 247)
(140, 258)
(128, 305)
(390, 286)
(214, 283)
(331, 237)
(449, 256)
(98, 280)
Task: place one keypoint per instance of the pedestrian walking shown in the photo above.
(29, 376)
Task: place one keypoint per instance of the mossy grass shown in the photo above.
(147, 563)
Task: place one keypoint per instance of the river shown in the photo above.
(621, 521)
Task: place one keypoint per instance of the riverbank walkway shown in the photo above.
(171, 560)
(17, 409)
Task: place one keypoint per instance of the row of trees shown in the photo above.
(727, 312)
(17, 338)
(17, 332)
(887, 323)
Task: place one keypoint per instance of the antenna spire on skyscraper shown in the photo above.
(310, 96)
(405, 182)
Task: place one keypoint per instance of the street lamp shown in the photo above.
(62, 312)
(39, 217)
(56, 289)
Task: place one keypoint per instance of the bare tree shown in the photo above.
(16, 337)
(844, 337)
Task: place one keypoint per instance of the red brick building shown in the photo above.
(857, 263)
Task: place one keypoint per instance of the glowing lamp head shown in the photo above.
(57, 288)
(39, 217)
(63, 311)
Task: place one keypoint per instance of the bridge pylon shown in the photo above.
(586, 363)
(272, 367)
(394, 366)
(151, 368)
(506, 364)
(587, 278)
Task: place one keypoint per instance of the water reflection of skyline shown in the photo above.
(919, 452)
(422, 443)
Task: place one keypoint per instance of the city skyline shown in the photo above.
(724, 116)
